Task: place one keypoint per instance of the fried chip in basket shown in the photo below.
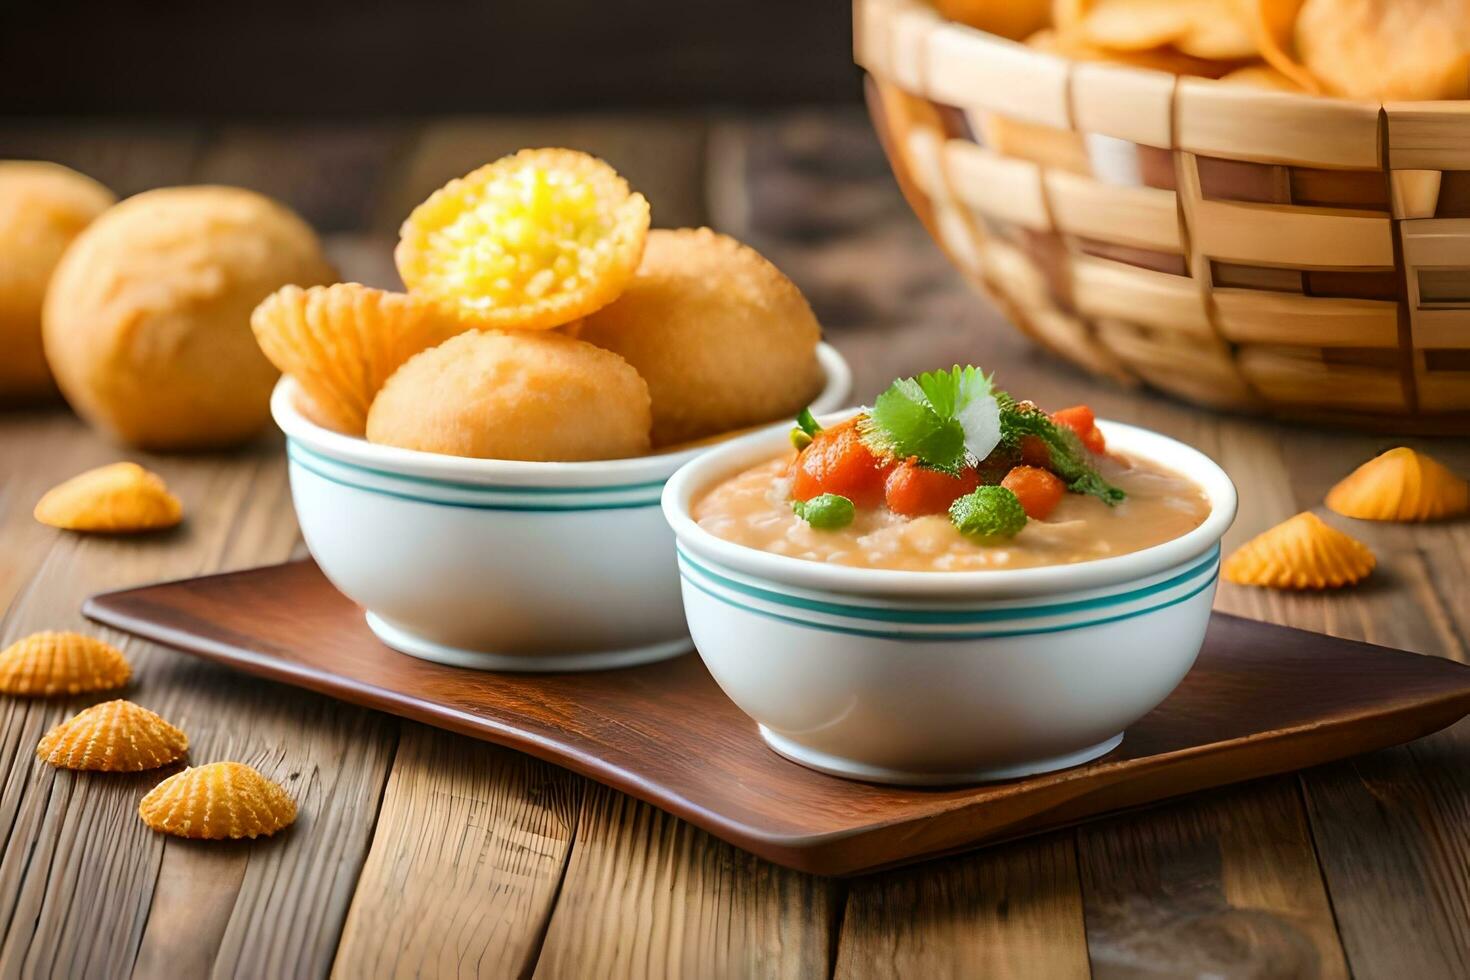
(1216, 30)
(1014, 19)
(1071, 44)
(1386, 49)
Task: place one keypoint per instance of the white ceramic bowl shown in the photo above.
(928, 678)
(499, 564)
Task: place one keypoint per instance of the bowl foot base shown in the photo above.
(405, 642)
(848, 769)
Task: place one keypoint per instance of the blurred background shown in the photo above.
(306, 58)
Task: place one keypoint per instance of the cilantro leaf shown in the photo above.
(1069, 459)
(944, 418)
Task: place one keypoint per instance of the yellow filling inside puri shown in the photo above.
(522, 236)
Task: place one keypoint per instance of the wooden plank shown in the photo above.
(1145, 217)
(646, 894)
(76, 835)
(468, 854)
(1389, 828)
(1010, 911)
(1225, 884)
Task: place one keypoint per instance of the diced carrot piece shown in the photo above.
(1079, 419)
(914, 490)
(837, 461)
(1038, 490)
(1034, 452)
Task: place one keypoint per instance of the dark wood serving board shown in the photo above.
(1262, 699)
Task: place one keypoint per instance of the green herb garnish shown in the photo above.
(826, 512)
(1068, 456)
(944, 418)
(988, 514)
(805, 429)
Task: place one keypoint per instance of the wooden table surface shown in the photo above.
(423, 853)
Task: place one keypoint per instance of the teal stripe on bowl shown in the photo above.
(302, 459)
(949, 637)
(946, 618)
(472, 487)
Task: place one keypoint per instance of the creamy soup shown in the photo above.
(754, 509)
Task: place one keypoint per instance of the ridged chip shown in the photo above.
(115, 499)
(529, 242)
(342, 342)
(49, 663)
(1401, 485)
(218, 801)
(1302, 553)
(115, 736)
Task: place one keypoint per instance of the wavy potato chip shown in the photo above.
(49, 663)
(1302, 553)
(1387, 49)
(115, 499)
(342, 342)
(219, 801)
(115, 736)
(1400, 485)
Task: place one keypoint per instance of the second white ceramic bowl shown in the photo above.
(947, 677)
(499, 564)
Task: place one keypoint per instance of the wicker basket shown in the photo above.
(1239, 248)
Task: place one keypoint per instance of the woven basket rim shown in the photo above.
(1245, 92)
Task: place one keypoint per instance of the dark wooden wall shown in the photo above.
(409, 57)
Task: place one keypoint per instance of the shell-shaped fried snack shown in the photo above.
(1301, 553)
(115, 736)
(1400, 485)
(114, 499)
(529, 242)
(219, 801)
(341, 343)
(44, 664)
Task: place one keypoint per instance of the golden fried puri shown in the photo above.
(529, 396)
(722, 337)
(43, 206)
(529, 242)
(147, 319)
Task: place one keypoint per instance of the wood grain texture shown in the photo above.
(1011, 911)
(648, 895)
(469, 850)
(1232, 889)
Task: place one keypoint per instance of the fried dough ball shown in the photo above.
(147, 320)
(43, 206)
(722, 337)
(529, 242)
(530, 396)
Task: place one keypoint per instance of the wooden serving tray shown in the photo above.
(1262, 699)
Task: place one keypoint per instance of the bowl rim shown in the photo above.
(731, 458)
(629, 473)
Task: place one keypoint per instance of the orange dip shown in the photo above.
(754, 509)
